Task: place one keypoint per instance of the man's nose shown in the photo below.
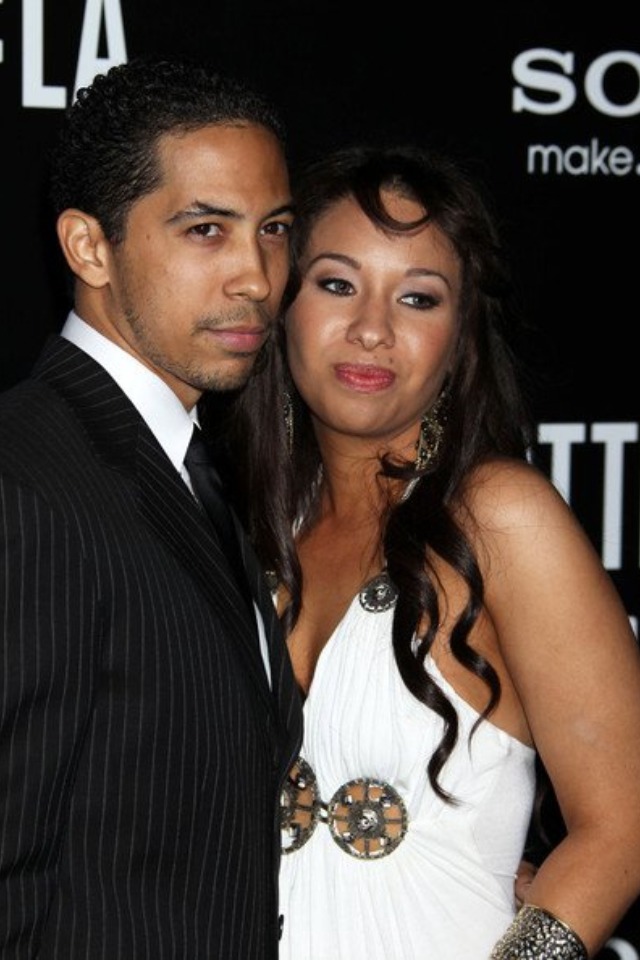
(249, 277)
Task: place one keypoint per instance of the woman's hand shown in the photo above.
(524, 876)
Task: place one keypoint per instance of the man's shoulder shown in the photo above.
(36, 425)
(37, 422)
(22, 404)
(56, 355)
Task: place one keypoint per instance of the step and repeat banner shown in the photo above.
(542, 100)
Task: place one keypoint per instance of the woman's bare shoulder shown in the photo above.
(504, 495)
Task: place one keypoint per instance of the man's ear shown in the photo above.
(84, 246)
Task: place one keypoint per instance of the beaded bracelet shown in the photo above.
(536, 934)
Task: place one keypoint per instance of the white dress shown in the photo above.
(446, 891)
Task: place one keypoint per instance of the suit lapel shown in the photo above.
(283, 684)
(171, 511)
(121, 438)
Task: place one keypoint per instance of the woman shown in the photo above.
(449, 622)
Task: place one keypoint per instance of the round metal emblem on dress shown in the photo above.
(299, 806)
(367, 818)
(379, 594)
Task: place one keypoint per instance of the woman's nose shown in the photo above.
(372, 328)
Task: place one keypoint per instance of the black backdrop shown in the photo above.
(542, 99)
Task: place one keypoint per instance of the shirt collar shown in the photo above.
(156, 402)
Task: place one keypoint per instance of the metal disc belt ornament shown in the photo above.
(366, 818)
(299, 806)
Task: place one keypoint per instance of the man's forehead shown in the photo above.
(222, 168)
(224, 138)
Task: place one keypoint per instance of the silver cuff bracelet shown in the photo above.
(536, 934)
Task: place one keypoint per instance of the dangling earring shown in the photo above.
(431, 432)
(288, 419)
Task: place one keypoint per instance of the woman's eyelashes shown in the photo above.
(416, 299)
(421, 301)
(337, 286)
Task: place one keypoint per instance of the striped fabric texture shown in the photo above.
(141, 748)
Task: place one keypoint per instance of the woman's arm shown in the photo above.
(574, 662)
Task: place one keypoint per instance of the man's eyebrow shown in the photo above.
(287, 209)
(201, 209)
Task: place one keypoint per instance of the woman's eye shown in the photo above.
(341, 288)
(421, 301)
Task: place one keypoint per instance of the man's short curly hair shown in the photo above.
(106, 156)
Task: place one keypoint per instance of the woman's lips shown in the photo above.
(364, 377)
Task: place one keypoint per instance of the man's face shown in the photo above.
(197, 281)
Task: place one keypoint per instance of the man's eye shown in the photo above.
(277, 228)
(205, 229)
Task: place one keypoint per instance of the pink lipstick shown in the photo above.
(364, 377)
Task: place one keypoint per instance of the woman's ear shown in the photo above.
(84, 246)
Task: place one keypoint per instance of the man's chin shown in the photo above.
(233, 377)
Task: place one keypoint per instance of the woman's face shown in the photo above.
(372, 332)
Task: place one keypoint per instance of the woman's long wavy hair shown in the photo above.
(487, 416)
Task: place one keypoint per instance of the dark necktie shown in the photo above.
(207, 486)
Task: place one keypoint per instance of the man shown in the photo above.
(148, 715)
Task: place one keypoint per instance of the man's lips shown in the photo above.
(365, 377)
(239, 339)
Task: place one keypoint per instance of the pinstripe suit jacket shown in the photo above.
(141, 749)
